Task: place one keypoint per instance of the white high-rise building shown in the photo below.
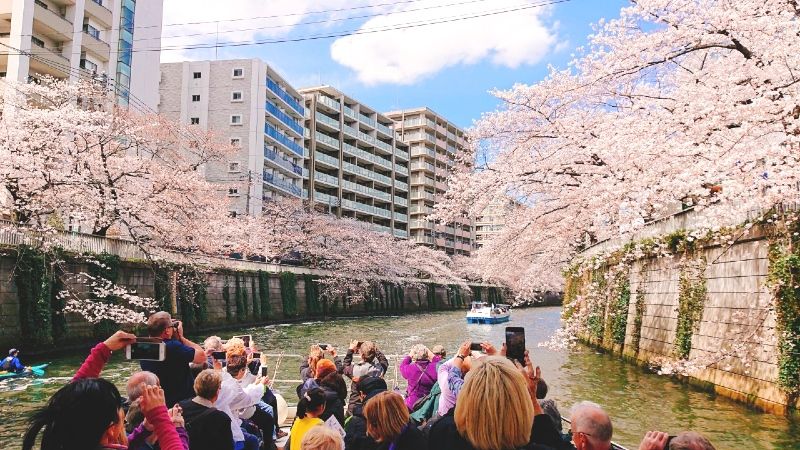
(117, 40)
(246, 102)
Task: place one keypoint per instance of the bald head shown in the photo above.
(594, 424)
(690, 440)
(134, 386)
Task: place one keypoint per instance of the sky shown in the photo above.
(444, 54)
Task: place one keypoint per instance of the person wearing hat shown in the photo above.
(12, 363)
(356, 437)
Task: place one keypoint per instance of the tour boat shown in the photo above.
(482, 312)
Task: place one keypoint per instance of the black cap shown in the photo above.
(371, 386)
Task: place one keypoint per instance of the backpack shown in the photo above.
(6, 363)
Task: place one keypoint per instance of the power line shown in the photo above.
(351, 32)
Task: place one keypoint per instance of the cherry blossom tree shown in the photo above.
(687, 102)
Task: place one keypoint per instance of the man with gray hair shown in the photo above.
(591, 427)
(134, 388)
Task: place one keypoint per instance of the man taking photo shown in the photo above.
(173, 373)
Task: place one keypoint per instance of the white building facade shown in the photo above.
(114, 40)
(249, 104)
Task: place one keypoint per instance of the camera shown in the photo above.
(175, 324)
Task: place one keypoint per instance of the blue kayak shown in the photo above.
(36, 371)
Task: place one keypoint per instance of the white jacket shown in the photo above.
(233, 397)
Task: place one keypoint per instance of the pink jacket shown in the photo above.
(168, 438)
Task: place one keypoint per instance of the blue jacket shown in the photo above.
(12, 364)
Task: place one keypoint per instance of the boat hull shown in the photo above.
(27, 373)
(488, 320)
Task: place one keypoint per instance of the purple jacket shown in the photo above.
(136, 440)
(421, 376)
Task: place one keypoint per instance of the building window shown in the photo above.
(195, 98)
(197, 75)
(233, 192)
(236, 142)
(238, 73)
(37, 42)
(236, 119)
(194, 121)
(88, 65)
(233, 166)
(236, 96)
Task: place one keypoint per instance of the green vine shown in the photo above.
(263, 294)
(57, 302)
(32, 279)
(691, 300)
(313, 305)
(595, 321)
(784, 273)
(636, 333)
(238, 298)
(431, 296)
(289, 293)
(476, 293)
(226, 297)
(256, 299)
(619, 315)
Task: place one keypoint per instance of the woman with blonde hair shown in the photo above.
(388, 422)
(495, 410)
(322, 438)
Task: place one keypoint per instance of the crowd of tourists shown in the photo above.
(214, 396)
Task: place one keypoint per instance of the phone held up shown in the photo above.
(475, 347)
(218, 355)
(256, 355)
(264, 370)
(515, 344)
(146, 349)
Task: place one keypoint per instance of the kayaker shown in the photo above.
(12, 363)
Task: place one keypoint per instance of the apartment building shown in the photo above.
(110, 40)
(357, 167)
(493, 218)
(251, 105)
(433, 142)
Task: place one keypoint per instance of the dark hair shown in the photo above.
(335, 382)
(235, 364)
(311, 400)
(76, 417)
(541, 389)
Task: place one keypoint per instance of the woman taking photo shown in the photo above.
(87, 413)
(419, 368)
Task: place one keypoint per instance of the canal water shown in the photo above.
(636, 399)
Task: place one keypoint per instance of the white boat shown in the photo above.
(482, 312)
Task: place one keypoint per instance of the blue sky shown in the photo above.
(449, 67)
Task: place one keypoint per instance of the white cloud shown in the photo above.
(407, 55)
(266, 19)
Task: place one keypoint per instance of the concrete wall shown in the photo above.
(141, 278)
(737, 310)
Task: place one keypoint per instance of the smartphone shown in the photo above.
(245, 338)
(264, 370)
(515, 344)
(147, 351)
(218, 355)
(476, 347)
(323, 346)
(256, 355)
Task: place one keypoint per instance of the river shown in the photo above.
(636, 399)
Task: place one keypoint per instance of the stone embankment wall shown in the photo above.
(708, 308)
(262, 297)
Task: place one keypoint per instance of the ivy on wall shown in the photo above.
(289, 293)
(313, 305)
(476, 293)
(263, 294)
(784, 277)
(431, 295)
(636, 333)
(596, 319)
(256, 299)
(241, 312)
(619, 314)
(57, 302)
(691, 300)
(226, 297)
(32, 279)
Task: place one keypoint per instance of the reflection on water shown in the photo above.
(637, 400)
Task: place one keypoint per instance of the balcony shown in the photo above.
(320, 157)
(367, 120)
(355, 187)
(327, 140)
(329, 102)
(381, 228)
(400, 186)
(428, 240)
(282, 139)
(385, 130)
(366, 156)
(350, 130)
(97, 11)
(401, 217)
(48, 61)
(330, 122)
(421, 224)
(401, 154)
(368, 209)
(400, 201)
(441, 185)
(418, 150)
(326, 199)
(383, 146)
(92, 43)
(417, 195)
(283, 185)
(326, 179)
(282, 163)
(51, 23)
(354, 169)
(416, 209)
(350, 112)
(281, 93)
(401, 234)
(401, 170)
(285, 119)
(420, 165)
